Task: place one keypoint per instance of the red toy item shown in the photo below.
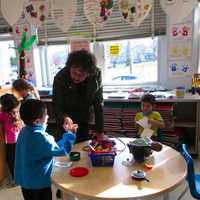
(78, 171)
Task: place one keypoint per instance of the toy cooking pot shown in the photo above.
(141, 148)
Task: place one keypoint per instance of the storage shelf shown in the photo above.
(185, 124)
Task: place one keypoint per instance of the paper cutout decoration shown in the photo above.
(21, 26)
(63, 13)
(180, 50)
(79, 44)
(98, 11)
(12, 10)
(135, 11)
(181, 31)
(180, 68)
(183, 7)
(36, 11)
(22, 47)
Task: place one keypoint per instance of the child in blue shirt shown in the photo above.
(35, 150)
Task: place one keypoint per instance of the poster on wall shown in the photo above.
(114, 50)
(98, 11)
(12, 10)
(36, 11)
(135, 11)
(180, 48)
(184, 8)
(79, 44)
(63, 13)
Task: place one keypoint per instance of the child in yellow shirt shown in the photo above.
(154, 118)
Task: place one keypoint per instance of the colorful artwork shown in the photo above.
(181, 31)
(180, 50)
(98, 11)
(36, 11)
(12, 10)
(63, 13)
(180, 68)
(184, 8)
(135, 11)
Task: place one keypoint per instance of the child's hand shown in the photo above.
(151, 121)
(74, 128)
(156, 123)
(69, 126)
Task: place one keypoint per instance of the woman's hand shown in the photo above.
(99, 136)
(68, 125)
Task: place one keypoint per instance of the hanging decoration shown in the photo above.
(18, 29)
(98, 11)
(12, 10)
(135, 11)
(180, 41)
(184, 8)
(22, 47)
(63, 13)
(36, 11)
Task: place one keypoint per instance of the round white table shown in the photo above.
(168, 172)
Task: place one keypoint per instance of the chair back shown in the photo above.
(190, 172)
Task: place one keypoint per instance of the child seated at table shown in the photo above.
(35, 150)
(24, 90)
(148, 121)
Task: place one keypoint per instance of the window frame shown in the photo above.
(45, 66)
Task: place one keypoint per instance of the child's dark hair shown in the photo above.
(8, 102)
(31, 110)
(21, 84)
(149, 98)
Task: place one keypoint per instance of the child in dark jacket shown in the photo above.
(35, 150)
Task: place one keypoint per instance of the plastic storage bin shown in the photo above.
(102, 159)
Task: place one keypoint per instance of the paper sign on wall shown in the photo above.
(98, 11)
(36, 11)
(135, 11)
(63, 13)
(184, 8)
(79, 44)
(12, 10)
(114, 50)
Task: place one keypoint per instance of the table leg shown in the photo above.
(166, 196)
(54, 190)
(65, 196)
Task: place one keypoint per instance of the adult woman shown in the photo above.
(76, 89)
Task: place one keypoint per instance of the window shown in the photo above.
(130, 61)
(56, 56)
(123, 62)
(9, 61)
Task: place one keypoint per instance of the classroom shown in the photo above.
(99, 99)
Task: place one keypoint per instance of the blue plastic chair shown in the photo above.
(192, 178)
